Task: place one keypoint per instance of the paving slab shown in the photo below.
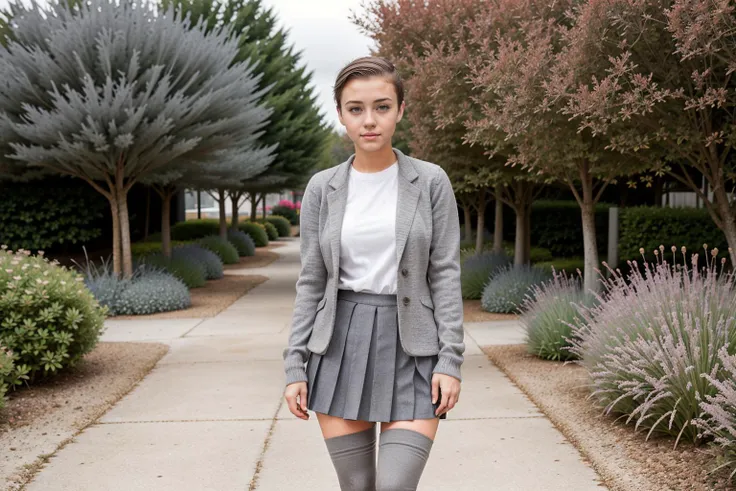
(203, 391)
(496, 332)
(206, 456)
(236, 325)
(251, 347)
(147, 330)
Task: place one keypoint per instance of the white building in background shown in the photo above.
(211, 210)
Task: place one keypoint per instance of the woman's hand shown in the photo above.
(450, 388)
(298, 408)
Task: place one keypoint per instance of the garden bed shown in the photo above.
(44, 417)
(472, 312)
(623, 459)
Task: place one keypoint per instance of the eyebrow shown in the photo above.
(385, 99)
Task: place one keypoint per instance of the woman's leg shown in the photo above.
(403, 452)
(352, 448)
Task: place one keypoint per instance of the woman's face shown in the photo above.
(369, 110)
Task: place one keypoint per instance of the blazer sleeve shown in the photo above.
(444, 276)
(310, 288)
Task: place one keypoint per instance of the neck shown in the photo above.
(374, 161)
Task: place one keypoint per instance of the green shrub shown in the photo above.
(195, 229)
(570, 265)
(282, 224)
(548, 313)
(7, 373)
(256, 231)
(192, 273)
(649, 227)
(271, 231)
(477, 270)
(506, 291)
(286, 212)
(153, 291)
(36, 216)
(141, 249)
(223, 248)
(50, 320)
(242, 242)
(194, 253)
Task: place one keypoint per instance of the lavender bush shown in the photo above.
(652, 339)
(719, 419)
(477, 270)
(549, 311)
(507, 289)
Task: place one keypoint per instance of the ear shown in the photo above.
(401, 111)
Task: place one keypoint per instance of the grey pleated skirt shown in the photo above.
(365, 374)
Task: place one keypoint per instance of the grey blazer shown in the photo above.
(430, 305)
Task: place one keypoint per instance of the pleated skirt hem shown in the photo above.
(365, 374)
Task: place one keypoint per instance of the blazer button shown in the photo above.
(404, 272)
(406, 300)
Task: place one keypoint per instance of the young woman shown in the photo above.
(378, 312)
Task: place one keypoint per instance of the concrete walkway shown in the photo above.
(210, 416)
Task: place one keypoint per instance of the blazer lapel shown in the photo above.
(406, 204)
(336, 201)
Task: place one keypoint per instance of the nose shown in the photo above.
(369, 121)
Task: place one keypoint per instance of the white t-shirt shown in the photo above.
(368, 241)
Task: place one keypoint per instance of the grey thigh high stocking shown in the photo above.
(402, 455)
(354, 458)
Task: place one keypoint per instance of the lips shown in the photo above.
(370, 135)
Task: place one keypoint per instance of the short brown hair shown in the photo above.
(368, 66)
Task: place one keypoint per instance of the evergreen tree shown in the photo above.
(113, 94)
(296, 125)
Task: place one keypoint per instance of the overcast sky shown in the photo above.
(320, 29)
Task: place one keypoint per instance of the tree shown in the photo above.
(663, 71)
(296, 125)
(112, 109)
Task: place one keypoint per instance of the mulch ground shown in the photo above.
(472, 312)
(622, 457)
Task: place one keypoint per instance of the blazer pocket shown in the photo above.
(427, 301)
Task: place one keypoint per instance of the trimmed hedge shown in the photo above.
(650, 227)
(271, 231)
(223, 248)
(282, 224)
(142, 249)
(191, 272)
(286, 212)
(242, 242)
(195, 229)
(256, 231)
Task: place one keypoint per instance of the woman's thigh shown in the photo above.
(427, 427)
(334, 426)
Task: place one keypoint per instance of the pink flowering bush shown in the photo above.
(653, 341)
(48, 317)
(719, 420)
(285, 203)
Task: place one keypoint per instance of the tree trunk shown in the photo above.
(522, 243)
(468, 213)
(117, 252)
(727, 218)
(253, 206)
(498, 224)
(125, 233)
(590, 247)
(166, 222)
(479, 235)
(235, 198)
(148, 215)
(263, 198)
(223, 215)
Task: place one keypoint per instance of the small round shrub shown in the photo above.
(141, 249)
(222, 247)
(271, 231)
(652, 342)
(477, 270)
(242, 242)
(50, 320)
(194, 253)
(7, 372)
(282, 224)
(192, 273)
(153, 291)
(287, 212)
(548, 313)
(256, 231)
(506, 291)
(195, 229)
